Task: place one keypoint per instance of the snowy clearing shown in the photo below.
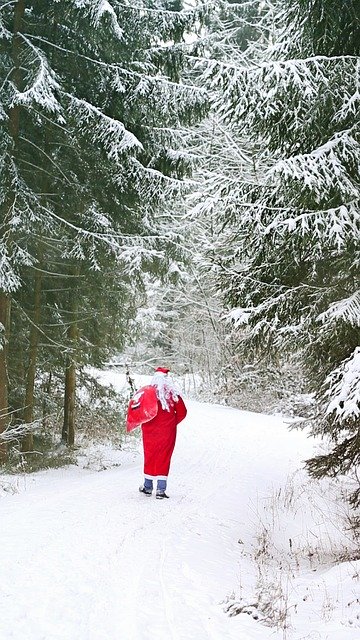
(84, 556)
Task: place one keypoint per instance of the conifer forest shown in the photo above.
(179, 184)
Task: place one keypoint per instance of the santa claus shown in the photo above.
(159, 433)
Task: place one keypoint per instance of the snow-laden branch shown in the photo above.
(239, 316)
(22, 209)
(338, 224)
(130, 73)
(3, 115)
(44, 86)
(7, 4)
(107, 131)
(258, 90)
(153, 177)
(342, 389)
(108, 238)
(163, 11)
(96, 9)
(351, 98)
(347, 309)
(5, 34)
(279, 68)
(129, 249)
(325, 168)
(19, 431)
(9, 279)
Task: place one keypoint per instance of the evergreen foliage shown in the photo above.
(287, 199)
(91, 113)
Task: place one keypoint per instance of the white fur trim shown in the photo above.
(147, 477)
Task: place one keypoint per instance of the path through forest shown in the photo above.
(85, 556)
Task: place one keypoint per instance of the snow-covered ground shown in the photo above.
(85, 556)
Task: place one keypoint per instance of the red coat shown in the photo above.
(159, 436)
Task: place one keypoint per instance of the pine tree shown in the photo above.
(288, 256)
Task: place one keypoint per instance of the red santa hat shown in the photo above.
(162, 370)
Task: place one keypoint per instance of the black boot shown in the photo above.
(161, 494)
(143, 489)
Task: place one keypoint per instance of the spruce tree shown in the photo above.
(287, 259)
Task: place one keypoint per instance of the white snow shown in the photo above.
(85, 556)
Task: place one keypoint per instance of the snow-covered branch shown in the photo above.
(347, 309)
(105, 130)
(342, 389)
(99, 8)
(44, 85)
(18, 431)
(324, 169)
(339, 224)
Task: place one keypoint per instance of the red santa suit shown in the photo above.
(159, 434)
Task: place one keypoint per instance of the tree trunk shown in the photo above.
(4, 414)
(28, 440)
(46, 400)
(68, 430)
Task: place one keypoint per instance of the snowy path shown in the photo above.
(84, 556)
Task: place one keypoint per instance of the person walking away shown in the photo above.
(159, 434)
